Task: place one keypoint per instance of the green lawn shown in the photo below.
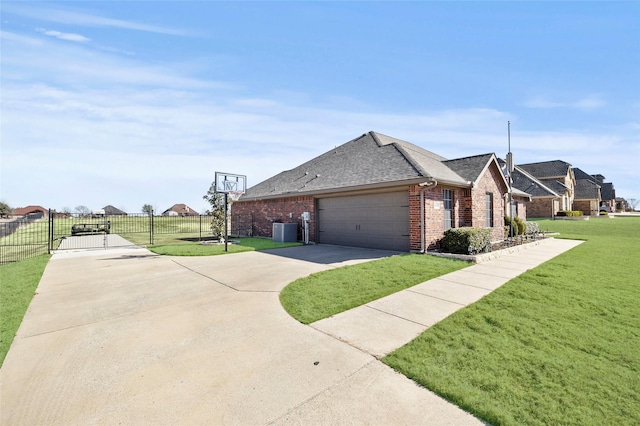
(197, 249)
(327, 293)
(558, 345)
(18, 283)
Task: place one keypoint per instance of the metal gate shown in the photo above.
(99, 231)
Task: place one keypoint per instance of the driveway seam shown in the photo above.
(434, 297)
(333, 385)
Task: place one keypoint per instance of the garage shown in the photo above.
(379, 220)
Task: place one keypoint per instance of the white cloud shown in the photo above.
(70, 17)
(64, 36)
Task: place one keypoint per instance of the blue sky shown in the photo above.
(132, 103)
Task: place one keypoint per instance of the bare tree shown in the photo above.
(633, 203)
(83, 210)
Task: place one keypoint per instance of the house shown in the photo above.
(538, 200)
(556, 176)
(113, 211)
(607, 194)
(588, 195)
(180, 210)
(30, 210)
(379, 192)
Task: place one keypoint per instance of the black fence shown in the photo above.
(34, 235)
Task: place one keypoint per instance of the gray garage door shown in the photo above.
(374, 221)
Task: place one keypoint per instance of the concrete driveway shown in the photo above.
(127, 337)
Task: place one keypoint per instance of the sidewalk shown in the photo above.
(384, 325)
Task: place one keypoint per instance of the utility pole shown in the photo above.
(510, 167)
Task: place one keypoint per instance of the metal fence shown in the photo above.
(34, 235)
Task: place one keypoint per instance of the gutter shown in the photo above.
(431, 183)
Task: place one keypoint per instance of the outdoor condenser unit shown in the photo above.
(285, 232)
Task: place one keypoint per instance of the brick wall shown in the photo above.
(542, 207)
(263, 213)
(587, 207)
(490, 182)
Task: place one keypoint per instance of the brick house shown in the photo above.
(595, 194)
(538, 200)
(556, 176)
(180, 210)
(379, 192)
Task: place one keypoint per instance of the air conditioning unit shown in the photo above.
(285, 232)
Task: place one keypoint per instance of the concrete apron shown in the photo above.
(127, 337)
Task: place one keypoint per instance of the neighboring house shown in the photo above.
(607, 194)
(542, 201)
(557, 176)
(621, 204)
(587, 197)
(588, 192)
(113, 211)
(379, 192)
(180, 210)
(30, 210)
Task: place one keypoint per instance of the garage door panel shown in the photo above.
(372, 220)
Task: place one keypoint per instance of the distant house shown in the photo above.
(180, 210)
(113, 211)
(377, 191)
(30, 210)
(604, 199)
(556, 176)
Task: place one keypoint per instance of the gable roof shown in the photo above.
(113, 211)
(607, 191)
(528, 184)
(23, 211)
(581, 174)
(547, 169)
(182, 209)
(470, 168)
(370, 160)
(586, 190)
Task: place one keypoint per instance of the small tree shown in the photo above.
(148, 209)
(216, 201)
(633, 203)
(5, 210)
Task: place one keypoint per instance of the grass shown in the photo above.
(197, 249)
(327, 293)
(560, 344)
(18, 283)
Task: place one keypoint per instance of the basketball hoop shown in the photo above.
(228, 183)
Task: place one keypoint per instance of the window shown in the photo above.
(489, 210)
(447, 199)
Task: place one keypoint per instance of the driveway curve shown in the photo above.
(124, 336)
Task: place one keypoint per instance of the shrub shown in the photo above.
(519, 226)
(569, 213)
(531, 228)
(604, 214)
(466, 240)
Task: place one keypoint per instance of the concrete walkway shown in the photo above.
(386, 324)
(123, 336)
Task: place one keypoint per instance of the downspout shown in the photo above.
(431, 183)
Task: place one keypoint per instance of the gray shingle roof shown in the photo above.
(581, 174)
(469, 168)
(547, 169)
(586, 189)
(607, 191)
(371, 159)
(525, 182)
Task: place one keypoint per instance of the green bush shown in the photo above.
(466, 240)
(604, 214)
(570, 213)
(518, 224)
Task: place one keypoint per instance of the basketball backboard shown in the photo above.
(229, 183)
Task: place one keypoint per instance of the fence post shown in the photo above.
(50, 233)
(151, 227)
(200, 228)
